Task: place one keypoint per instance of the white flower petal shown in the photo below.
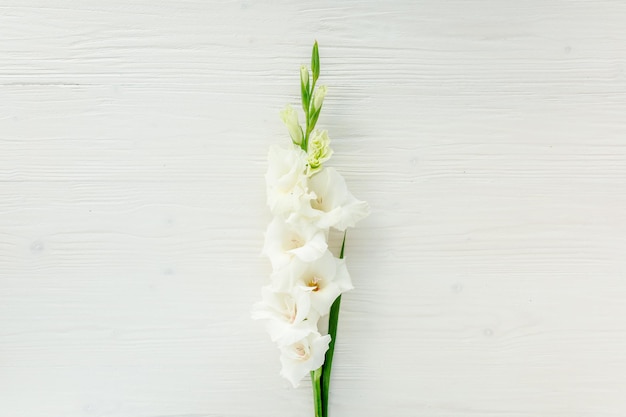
(286, 179)
(283, 278)
(342, 277)
(285, 240)
(321, 280)
(333, 204)
(303, 356)
(324, 297)
(288, 316)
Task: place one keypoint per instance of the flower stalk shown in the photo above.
(318, 395)
(307, 200)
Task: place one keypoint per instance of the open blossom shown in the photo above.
(333, 205)
(321, 281)
(286, 240)
(286, 179)
(288, 316)
(303, 356)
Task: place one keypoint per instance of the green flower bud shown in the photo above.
(304, 77)
(305, 88)
(318, 97)
(290, 119)
(315, 62)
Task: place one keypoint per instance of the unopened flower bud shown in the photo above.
(318, 97)
(290, 119)
(319, 150)
(304, 77)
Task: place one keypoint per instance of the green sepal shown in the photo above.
(305, 89)
(305, 98)
(313, 118)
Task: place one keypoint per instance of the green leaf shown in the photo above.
(315, 62)
(343, 245)
(332, 331)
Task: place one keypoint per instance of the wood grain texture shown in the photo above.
(488, 137)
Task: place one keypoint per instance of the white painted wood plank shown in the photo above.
(488, 137)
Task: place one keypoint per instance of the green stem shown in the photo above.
(309, 128)
(325, 370)
(316, 379)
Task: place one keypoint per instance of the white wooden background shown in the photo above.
(488, 136)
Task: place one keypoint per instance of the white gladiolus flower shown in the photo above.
(333, 205)
(290, 119)
(288, 318)
(319, 150)
(303, 356)
(286, 240)
(322, 281)
(286, 179)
